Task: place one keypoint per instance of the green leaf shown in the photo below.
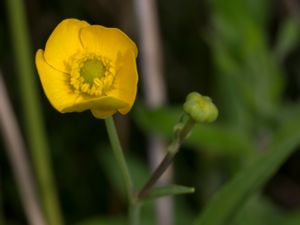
(218, 138)
(288, 38)
(293, 219)
(227, 202)
(239, 11)
(249, 77)
(260, 211)
(222, 139)
(172, 189)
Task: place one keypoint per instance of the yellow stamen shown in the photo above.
(92, 74)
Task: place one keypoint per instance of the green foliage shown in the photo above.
(220, 138)
(259, 211)
(287, 39)
(251, 84)
(253, 116)
(138, 170)
(246, 62)
(293, 219)
(250, 80)
(159, 192)
(249, 180)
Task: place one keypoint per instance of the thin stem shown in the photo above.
(165, 163)
(118, 152)
(134, 208)
(16, 153)
(134, 213)
(32, 111)
(188, 126)
(168, 159)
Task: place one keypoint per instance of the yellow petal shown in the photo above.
(125, 81)
(61, 95)
(107, 106)
(63, 43)
(85, 102)
(102, 114)
(106, 42)
(55, 84)
(105, 103)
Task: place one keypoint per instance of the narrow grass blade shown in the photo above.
(227, 202)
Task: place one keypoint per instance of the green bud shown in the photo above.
(200, 108)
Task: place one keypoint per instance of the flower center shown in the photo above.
(92, 74)
(91, 70)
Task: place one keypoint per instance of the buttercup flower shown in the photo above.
(88, 67)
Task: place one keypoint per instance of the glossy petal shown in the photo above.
(125, 81)
(102, 114)
(61, 95)
(63, 43)
(74, 38)
(106, 42)
(105, 103)
(54, 83)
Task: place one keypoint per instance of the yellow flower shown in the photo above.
(88, 67)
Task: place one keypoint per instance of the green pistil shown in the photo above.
(91, 70)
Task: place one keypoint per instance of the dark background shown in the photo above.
(244, 54)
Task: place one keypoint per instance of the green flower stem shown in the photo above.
(118, 152)
(134, 213)
(168, 159)
(135, 200)
(134, 208)
(181, 136)
(32, 114)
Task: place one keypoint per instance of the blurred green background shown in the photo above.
(245, 54)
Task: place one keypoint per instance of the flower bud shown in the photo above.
(200, 108)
